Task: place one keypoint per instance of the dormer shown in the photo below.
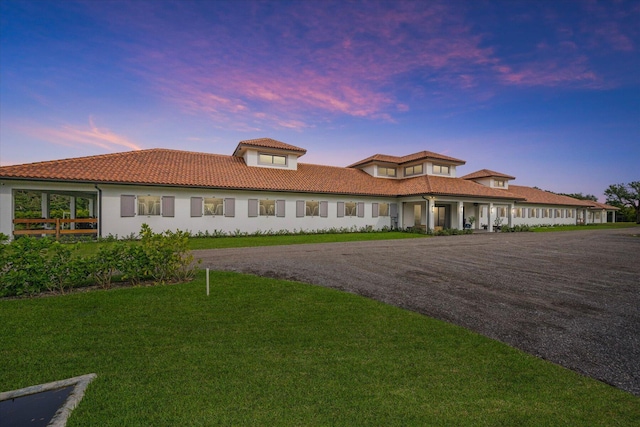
(422, 163)
(269, 153)
(490, 178)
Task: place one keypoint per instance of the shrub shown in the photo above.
(167, 255)
(24, 269)
(64, 271)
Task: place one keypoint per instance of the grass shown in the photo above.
(261, 352)
(605, 226)
(249, 241)
(90, 248)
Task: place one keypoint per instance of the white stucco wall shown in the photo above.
(552, 219)
(113, 223)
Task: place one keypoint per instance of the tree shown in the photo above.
(621, 195)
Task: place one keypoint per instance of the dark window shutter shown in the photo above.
(280, 208)
(340, 209)
(127, 205)
(374, 210)
(324, 209)
(196, 206)
(393, 210)
(230, 207)
(360, 209)
(253, 208)
(168, 206)
(299, 208)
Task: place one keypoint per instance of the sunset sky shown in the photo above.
(547, 91)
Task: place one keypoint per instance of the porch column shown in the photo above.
(510, 215)
(72, 211)
(460, 216)
(44, 204)
(431, 207)
(613, 216)
(490, 217)
(92, 212)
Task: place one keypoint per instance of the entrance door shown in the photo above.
(417, 214)
(440, 217)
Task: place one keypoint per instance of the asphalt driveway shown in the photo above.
(572, 298)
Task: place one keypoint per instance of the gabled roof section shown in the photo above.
(486, 173)
(422, 155)
(267, 143)
(598, 205)
(536, 196)
(441, 185)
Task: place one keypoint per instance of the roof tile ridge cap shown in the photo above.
(346, 168)
(198, 153)
(72, 159)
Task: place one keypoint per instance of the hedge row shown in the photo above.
(31, 265)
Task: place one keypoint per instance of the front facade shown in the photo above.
(263, 187)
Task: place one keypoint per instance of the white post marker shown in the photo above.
(207, 281)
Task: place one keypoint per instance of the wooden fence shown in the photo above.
(55, 226)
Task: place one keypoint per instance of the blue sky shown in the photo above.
(547, 91)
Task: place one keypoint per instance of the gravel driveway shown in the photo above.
(569, 297)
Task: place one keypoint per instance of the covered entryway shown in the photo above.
(56, 213)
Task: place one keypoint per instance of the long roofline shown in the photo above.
(183, 169)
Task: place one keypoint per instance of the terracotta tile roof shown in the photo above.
(534, 195)
(189, 169)
(440, 185)
(384, 158)
(268, 143)
(598, 205)
(486, 173)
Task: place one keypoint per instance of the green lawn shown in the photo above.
(606, 226)
(88, 248)
(261, 351)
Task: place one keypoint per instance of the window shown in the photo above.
(213, 206)
(312, 208)
(379, 209)
(502, 212)
(148, 205)
(386, 171)
(350, 209)
(441, 169)
(413, 170)
(499, 183)
(272, 159)
(267, 207)
(518, 212)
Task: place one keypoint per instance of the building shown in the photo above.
(263, 187)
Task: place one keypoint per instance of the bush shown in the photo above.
(30, 265)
